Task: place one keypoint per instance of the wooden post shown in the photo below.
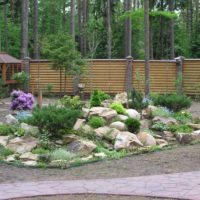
(40, 99)
(26, 68)
(129, 74)
(179, 74)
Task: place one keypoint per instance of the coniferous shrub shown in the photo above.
(118, 107)
(133, 125)
(96, 122)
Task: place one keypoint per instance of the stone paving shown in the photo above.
(177, 186)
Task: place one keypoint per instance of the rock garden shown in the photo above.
(72, 132)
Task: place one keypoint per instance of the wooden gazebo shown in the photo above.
(8, 66)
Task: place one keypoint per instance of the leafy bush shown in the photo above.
(61, 154)
(40, 151)
(48, 90)
(162, 112)
(71, 102)
(96, 122)
(4, 152)
(183, 128)
(97, 97)
(175, 102)
(118, 107)
(52, 119)
(21, 78)
(133, 125)
(183, 117)
(20, 132)
(21, 101)
(136, 100)
(6, 129)
(159, 126)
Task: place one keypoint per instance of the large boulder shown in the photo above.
(184, 138)
(132, 113)
(165, 120)
(10, 119)
(149, 110)
(118, 125)
(146, 139)
(109, 114)
(97, 111)
(196, 135)
(85, 112)
(121, 98)
(32, 130)
(29, 156)
(79, 124)
(82, 147)
(145, 124)
(122, 117)
(127, 140)
(69, 138)
(4, 140)
(162, 143)
(23, 145)
(106, 133)
(194, 126)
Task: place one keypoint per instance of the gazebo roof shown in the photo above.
(7, 59)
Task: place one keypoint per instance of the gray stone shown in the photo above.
(11, 158)
(162, 143)
(88, 129)
(32, 130)
(184, 138)
(122, 117)
(132, 113)
(29, 156)
(106, 103)
(145, 124)
(196, 135)
(108, 115)
(118, 125)
(23, 144)
(100, 155)
(79, 124)
(194, 126)
(85, 112)
(121, 98)
(165, 120)
(146, 139)
(70, 138)
(11, 119)
(82, 147)
(127, 140)
(30, 163)
(4, 140)
(97, 111)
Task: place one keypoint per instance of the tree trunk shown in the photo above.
(64, 15)
(6, 27)
(109, 30)
(84, 26)
(128, 30)
(146, 47)
(80, 27)
(197, 18)
(72, 19)
(24, 28)
(161, 33)
(35, 30)
(171, 8)
(151, 39)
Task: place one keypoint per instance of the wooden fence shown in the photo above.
(109, 76)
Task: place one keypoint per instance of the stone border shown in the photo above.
(177, 186)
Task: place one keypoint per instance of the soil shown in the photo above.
(179, 159)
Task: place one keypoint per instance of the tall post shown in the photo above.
(129, 74)
(179, 74)
(26, 68)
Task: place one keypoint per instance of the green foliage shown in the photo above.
(40, 151)
(97, 97)
(162, 112)
(96, 122)
(4, 152)
(45, 140)
(118, 107)
(133, 125)
(71, 102)
(175, 102)
(136, 100)
(20, 132)
(182, 128)
(52, 119)
(61, 154)
(6, 129)
(183, 117)
(48, 89)
(159, 126)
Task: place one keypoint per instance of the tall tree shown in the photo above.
(6, 27)
(146, 47)
(35, 30)
(72, 19)
(109, 30)
(128, 29)
(171, 8)
(24, 28)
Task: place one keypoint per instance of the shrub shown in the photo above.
(21, 101)
(6, 129)
(52, 119)
(48, 90)
(183, 128)
(40, 151)
(96, 122)
(118, 107)
(183, 117)
(175, 102)
(21, 78)
(4, 152)
(133, 125)
(71, 102)
(97, 97)
(162, 112)
(61, 154)
(136, 100)
(159, 126)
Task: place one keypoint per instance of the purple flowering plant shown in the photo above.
(21, 101)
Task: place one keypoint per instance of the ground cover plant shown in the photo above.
(97, 97)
